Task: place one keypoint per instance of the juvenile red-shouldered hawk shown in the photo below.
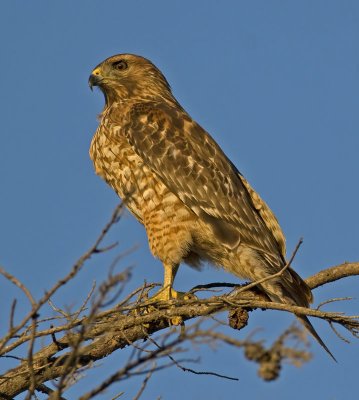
(175, 179)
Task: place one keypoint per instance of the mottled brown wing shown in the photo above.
(267, 215)
(193, 166)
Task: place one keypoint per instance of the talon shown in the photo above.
(189, 296)
(168, 293)
(176, 321)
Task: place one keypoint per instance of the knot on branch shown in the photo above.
(269, 360)
(238, 319)
(269, 370)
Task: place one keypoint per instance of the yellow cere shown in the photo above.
(96, 71)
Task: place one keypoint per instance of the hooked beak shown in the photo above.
(94, 80)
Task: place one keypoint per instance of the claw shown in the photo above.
(168, 293)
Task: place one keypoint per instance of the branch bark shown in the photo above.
(128, 323)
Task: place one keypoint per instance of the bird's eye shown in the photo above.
(120, 65)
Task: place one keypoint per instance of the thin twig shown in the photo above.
(144, 383)
(75, 269)
(12, 314)
(45, 389)
(19, 284)
(270, 277)
(185, 369)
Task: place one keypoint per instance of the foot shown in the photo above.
(169, 293)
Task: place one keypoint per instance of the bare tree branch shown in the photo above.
(333, 274)
(75, 341)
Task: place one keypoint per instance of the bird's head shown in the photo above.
(126, 76)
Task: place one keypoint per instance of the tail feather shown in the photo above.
(305, 321)
(291, 289)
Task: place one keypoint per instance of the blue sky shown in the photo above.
(276, 83)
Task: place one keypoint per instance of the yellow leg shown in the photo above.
(169, 276)
(167, 292)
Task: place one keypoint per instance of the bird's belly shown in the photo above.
(167, 220)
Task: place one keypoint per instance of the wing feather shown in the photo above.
(191, 164)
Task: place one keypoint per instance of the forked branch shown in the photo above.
(105, 323)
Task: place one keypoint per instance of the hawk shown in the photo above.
(175, 179)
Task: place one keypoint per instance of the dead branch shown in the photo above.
(76, 341)
(117, 328)
(333, 274)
